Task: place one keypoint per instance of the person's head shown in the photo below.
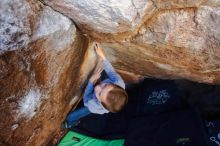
(111, 96)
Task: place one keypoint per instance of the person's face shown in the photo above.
(101, 91)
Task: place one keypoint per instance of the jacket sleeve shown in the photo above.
(88, 93)
(112, 74)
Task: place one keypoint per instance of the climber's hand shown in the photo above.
(99, 51)
(97, 74)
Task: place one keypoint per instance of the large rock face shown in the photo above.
(105, 16)
(45, 60)
(41, 71)
(174, 44)
(167, 39)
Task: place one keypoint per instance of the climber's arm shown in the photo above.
(88, 93)
(111, 73)
(90, 87)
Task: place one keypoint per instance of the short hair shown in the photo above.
(116, 99)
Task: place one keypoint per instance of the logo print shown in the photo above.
(158, 97)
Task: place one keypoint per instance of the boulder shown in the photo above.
(47, 55)
(105, 19)
(163, 31)
(42, 71)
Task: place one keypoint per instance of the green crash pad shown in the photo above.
(75, 139)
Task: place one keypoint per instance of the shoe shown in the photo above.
(65, 125)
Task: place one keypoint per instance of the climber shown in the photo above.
(100, 97)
